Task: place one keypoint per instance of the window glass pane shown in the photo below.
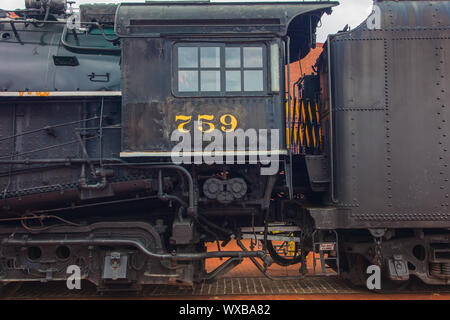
(233, 57)
(233, 80)
(253, 57)
(210, 81)
(187, 81)
(253, 80)
(187, 57)
(210, 57)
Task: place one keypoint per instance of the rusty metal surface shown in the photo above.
(24, 137)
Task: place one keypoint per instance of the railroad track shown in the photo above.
(228, 286)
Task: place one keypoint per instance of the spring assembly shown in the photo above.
(445, 269)
(435, 269)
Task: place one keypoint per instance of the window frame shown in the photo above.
(222, 69)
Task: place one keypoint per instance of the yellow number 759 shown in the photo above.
(205, 124)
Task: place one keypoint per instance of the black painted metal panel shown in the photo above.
(390, 120)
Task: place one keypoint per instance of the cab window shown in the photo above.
(217, 70)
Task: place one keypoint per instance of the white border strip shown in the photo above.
(44, 94)
(201, 153)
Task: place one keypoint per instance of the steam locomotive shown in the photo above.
(132, 135)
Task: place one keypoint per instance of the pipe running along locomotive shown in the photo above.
(134, 134)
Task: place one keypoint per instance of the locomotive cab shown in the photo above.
(210, 69)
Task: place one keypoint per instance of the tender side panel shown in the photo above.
(391, 128)
(418, 118)
(359, 122)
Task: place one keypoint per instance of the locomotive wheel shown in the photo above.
(357, 275)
